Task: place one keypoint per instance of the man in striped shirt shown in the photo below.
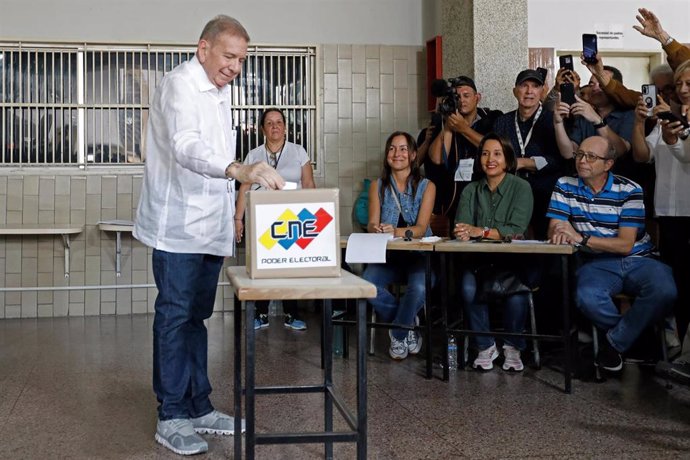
(604, 215)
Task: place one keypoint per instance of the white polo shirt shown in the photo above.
(672, 165)
(186, 203)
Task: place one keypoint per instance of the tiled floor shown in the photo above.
(81, 388)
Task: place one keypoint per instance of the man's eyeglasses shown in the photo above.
(590, 157)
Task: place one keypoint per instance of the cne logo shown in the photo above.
(300, 229)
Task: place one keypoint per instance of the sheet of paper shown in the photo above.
(290, 186)
(528, 242)
(431, 239)
(367, 248)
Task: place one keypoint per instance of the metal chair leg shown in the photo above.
(595, 345)
(533, 321)
(372, 332)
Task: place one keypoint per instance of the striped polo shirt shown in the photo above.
(618, 204)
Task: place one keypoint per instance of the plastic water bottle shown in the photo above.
(338, 340)
(452, 353)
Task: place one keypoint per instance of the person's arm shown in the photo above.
(307, 176)
(621, 96)
(440, 144)
(566, 146)
(640, 148)
(374, 225)
(458, 124)
(650, 26)
(239, 210)
(562, 232)
(676, 53)
(423, 216)
(425, 145)
(587, 112)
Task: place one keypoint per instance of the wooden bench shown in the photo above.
(117, 226)
(65, 230)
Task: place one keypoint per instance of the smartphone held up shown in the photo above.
(589, 48)
(649, 98)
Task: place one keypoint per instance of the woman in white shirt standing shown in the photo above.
(293, 164)
(668, 147)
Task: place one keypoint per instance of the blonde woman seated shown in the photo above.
(401, 200)
(495, 207)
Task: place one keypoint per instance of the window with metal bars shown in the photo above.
(85, 105)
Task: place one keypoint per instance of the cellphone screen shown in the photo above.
(589, 48)
(543, 72)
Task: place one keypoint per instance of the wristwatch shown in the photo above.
(601, 124)
(485, 232)
(585, 239)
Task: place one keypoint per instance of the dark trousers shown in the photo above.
(186, 293)
(674, 246)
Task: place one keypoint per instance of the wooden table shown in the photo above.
(347, 286)
(562, 251)
(65, 230)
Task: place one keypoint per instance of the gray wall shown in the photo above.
(386, 22)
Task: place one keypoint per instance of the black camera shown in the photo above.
(446, 90)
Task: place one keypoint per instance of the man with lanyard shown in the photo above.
(450, 163)
(530, 131)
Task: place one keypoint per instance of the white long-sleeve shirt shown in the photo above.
(672, 165)
(186, 203)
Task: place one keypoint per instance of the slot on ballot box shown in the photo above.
(293, 233)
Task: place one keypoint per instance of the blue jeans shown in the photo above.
(186, 293)
(648, 280)
(514, 316)
(399, 267)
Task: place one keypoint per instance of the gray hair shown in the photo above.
(661, 69)
(223, 24)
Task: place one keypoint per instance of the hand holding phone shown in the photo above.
(589, 48)
(671, 117)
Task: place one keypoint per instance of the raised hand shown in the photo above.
(650, 26)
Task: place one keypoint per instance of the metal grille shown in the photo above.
(83, 105)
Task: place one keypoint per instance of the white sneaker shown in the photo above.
(512, 359)
(485, 359)
(399, 348)
(414, 339)
(179, 436)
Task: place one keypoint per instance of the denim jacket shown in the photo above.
(410, 205)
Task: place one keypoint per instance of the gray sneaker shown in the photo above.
(179, 436)
(216, 423)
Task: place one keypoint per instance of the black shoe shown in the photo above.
(679, 371)
(608, 357)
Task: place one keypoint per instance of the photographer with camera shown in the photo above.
(450, 163)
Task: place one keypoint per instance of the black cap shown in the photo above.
(529, 74)
(462, 80)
